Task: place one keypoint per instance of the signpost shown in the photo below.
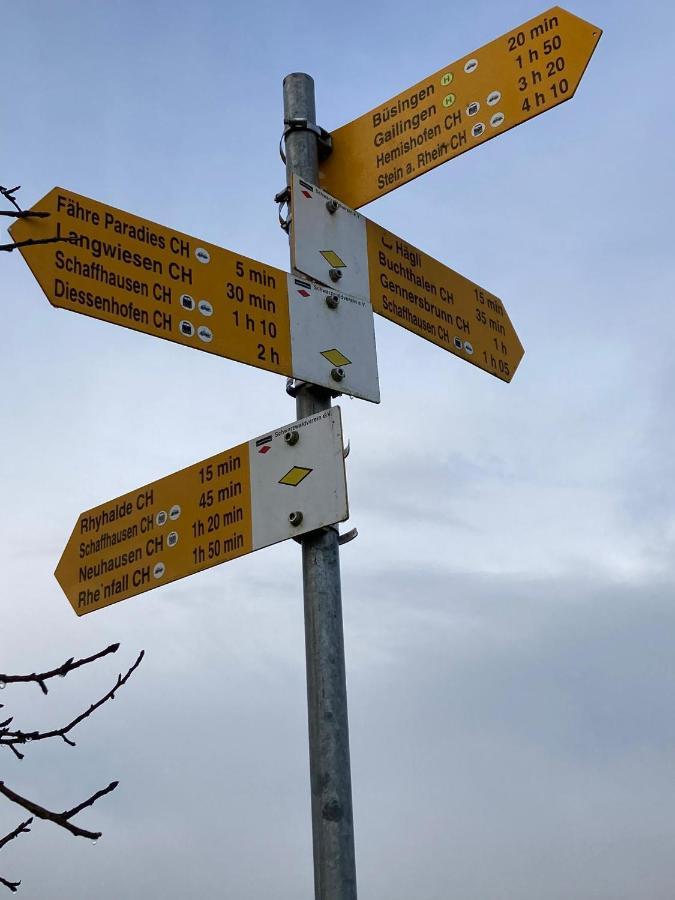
(518, 76)
(129, 271)
(290, 482)
(403, 283)
(327, 718)
(282, 484)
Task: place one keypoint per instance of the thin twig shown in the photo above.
(25, 214)
(68, 666)
(8, 194)
(18, 213)
(58, 238)
(31, 241)
(20, 829)
(61, 819)
(69, 813)
(10, 738)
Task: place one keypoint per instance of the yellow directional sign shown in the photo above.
(421, 294)
(132, 272)
(213, 511)
(508, 81)
(404, 284)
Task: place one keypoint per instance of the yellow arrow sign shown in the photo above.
(404, 284)
(214, 511)
(129, 271)
(132, 272)
(514, 78)
(428, 298)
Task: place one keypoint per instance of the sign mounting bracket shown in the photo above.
(324, 138)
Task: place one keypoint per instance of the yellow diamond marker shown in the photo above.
(335, 357)
(295, 475)
(333, 259)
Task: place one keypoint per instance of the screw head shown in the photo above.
(335, 274)
(291, 437)
(332, 206)
(295, 518)
(332, 301)
(337, 374)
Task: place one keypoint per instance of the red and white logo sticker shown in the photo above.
(306, 189)
(304, 288)
(264, 444)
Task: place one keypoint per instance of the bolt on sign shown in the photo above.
(512, 79)
(129, 271)
(403, 284)
(274, 487)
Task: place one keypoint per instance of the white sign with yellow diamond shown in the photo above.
(282, 484)
(311, 482)
(333, 338)
(331, 241)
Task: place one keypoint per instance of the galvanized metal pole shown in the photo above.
(329, 766)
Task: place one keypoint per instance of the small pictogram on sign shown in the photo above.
(295, 475)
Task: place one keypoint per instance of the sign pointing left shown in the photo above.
(274, 487)
(129, 271)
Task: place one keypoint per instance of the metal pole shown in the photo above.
(329, 767)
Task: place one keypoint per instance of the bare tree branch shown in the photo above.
(18, 213)
(61, 671)
(63, 818)
(69, 813)
(11, 738)
(8, 194)
(57, 239)
(20, 829)
(25, 214)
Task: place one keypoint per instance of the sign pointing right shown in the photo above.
(508, 81)
(329, 242)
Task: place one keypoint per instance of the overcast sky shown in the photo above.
(508, 605)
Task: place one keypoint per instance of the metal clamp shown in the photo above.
(324, 530)
(324, 139)
(293, 385)
(345, 538)
(324, 143)
(283, 199)
(348, 536)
